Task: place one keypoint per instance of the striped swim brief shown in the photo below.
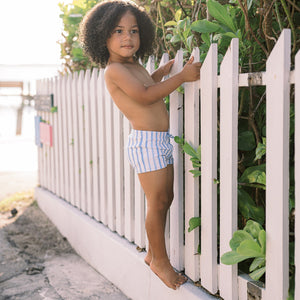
(149, 150)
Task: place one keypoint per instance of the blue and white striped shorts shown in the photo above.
(149, 150)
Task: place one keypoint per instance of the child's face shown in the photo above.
(124, 41)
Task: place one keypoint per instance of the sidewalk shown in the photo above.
(36, 261)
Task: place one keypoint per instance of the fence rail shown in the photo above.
(88, 168)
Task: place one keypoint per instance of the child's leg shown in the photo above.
(155, 185)
(170, 193)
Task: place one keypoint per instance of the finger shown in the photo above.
(190, 60)
(171, 62)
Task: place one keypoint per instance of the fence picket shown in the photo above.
(75, 139)
(51, 119)
(94, 144)
(40, 151)
(228, 165)
(165, 59)
(191, 135)
(139, 206)
(82, 166)
(111, 204)
(88, 142)
(102, 148)
(176, 210)
(277, 169)
(47, 147)
(65, 138)
(297, 175)
(60, 138)
(119, 169)
(209, 213)
(70, 141)
(44, 148)
(128, 188)
(55, 138)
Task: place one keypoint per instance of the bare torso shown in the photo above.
(152, 117)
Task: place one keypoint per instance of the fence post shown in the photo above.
(228, 165)
(277, 169)
(209, 213)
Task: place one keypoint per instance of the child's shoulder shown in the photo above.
(119, 69)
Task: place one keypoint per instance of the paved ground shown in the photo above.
(36, 261)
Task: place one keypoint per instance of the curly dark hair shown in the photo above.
(98, 24)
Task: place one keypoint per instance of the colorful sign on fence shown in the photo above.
(46, 134)
(43, 102)
(37, 120)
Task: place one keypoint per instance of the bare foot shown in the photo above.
(166, 273)
(148, 258)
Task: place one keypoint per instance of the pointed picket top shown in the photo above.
(150, 67)
(177, 66)
(81, 75)
(94, 73)
(196, 54)
(164, 59)
(273, 64)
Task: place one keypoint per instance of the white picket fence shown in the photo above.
(87, 166)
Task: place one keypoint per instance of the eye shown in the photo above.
(118, 31)
(134, 31)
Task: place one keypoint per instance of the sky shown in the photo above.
(29, 31)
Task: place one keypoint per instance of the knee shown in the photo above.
(170, 196)
(159, 201)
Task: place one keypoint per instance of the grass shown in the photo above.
(16, 200)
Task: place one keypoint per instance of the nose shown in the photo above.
(127, 35)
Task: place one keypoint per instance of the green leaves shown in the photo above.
(260, 150)
(248, 243)
(246, 141)
(248, 207)
(204, 26)
(194, 223)
(220, 13)
(255, 174)
(195, 154)
(181, 31)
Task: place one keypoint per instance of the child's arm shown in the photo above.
(164, 70)
(135, 89)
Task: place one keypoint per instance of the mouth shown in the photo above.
(127, 47)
